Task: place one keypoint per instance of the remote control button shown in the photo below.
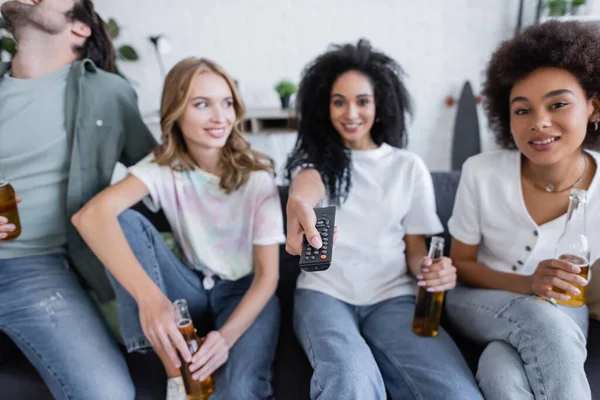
(324, 234)
(323, 257)
(324, 247)
(306, 258)
(312, 257)
(323, 252)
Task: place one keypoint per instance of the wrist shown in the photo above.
(228, 336)
(525, 284)
(146, 293)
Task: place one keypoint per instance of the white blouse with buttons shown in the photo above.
(490, 212)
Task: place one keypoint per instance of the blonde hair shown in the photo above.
(237, 161)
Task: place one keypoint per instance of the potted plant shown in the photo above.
(7, 43)
(557, 8)
(578, 7)
(285, 88)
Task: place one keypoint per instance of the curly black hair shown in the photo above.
(318, 143)
(571, 46)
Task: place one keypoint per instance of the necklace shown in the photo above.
(550, 188)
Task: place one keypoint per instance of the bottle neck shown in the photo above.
(575, 217)
(436, 249)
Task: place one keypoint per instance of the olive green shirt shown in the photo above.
(103, 127)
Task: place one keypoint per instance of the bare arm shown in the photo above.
(266, 275)
(306, 190)
(416, 252)
(98, 224)
(480, 276)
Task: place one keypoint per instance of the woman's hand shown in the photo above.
(437, 276)
(556, 274)
(157, 316)
(213, 353)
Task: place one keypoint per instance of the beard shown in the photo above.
(20, 16)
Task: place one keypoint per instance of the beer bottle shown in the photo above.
(573, 246)
(8, 207)
(428, 311)
(195, 390)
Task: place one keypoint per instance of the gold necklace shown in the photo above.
(550, 188)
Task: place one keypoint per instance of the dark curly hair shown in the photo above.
(318, 143)
(572, 46)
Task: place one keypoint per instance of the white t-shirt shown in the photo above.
(490, 212)
(391, 196)
(216, 231)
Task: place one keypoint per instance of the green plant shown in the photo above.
(124, 52)
(7, 42)
(577, 3)
(557, 7)
(285, 88)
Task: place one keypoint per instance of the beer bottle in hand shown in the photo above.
(8, 207)
(573, 246)
(195, 390)
(428, 311)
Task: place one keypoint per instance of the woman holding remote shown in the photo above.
(354, 320)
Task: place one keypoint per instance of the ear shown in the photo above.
(81, 30)
(594, 109)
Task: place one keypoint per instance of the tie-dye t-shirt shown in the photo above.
(216, 231)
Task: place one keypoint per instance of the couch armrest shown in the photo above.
(7, 348)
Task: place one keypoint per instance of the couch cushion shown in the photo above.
(445, 185)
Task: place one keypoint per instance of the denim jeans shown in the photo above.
(359, 352)
(247, 374)
(535, 349)
(50, 317)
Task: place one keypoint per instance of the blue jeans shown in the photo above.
(248, 372)
(358, 352)
(535, 349)
(50, 317)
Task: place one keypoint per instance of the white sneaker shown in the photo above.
(176, 389)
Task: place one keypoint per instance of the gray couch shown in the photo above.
(292, 372)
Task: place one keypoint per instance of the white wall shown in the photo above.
(440, 43)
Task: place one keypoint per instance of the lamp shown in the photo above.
(162, 46)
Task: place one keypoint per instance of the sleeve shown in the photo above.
(299, 169)
(422, 218)
(149, 173)
(268, 217)
(464, 224)
(138, 141)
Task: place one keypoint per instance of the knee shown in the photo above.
(352, 379)
(131, 218)
(109, 385)
(500, 368)
(555, 330)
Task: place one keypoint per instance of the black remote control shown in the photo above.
(312, 259)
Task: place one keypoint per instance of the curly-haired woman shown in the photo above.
(541, 97)
(354, 319)
(222, 203)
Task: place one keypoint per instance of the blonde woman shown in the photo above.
(221, 201)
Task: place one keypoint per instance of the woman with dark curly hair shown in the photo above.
(541, 97)
(354, 319)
